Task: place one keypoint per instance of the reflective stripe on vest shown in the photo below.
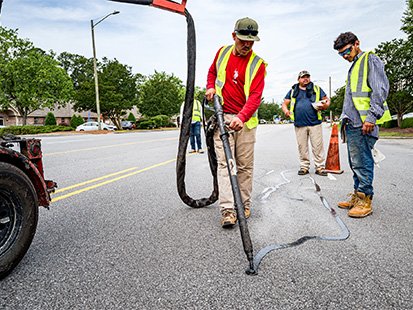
(317, 98)
(361, 92)
(196, 111)
(253, 65)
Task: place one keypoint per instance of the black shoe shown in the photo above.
(302, 171)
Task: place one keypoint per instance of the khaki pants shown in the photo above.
(315, 133)
(242, 147)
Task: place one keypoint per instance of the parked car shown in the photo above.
(94, 126)
(127, 125)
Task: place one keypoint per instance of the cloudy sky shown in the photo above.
(295, 34)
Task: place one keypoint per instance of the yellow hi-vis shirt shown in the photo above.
(361, 92)
(253, 65)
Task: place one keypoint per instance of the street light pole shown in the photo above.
(92, 26)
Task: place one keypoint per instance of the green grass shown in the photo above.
(386, 134)
(393, 134)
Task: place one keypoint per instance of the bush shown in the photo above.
(131, 117)
(30, 130)
(165, 120)
(80, 120)
(161, 120)
(73, 121)
(157, 120)
(390, 124)
(407, 123)
(50, 119)
(76, 121)
(146, 124)
(171, 124)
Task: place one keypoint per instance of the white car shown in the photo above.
(94, 126)
(408, 115)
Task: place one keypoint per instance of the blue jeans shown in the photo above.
(195, 133)
(360, 158)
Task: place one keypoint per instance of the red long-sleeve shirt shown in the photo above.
(233, 91)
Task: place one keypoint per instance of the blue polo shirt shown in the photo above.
(304, 113)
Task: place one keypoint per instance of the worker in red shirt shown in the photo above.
(237, 76)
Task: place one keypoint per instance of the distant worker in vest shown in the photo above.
(306, 102)
(237, 77)
(364, 108)
(195, 126)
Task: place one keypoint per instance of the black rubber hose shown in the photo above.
(186, 129)
(186, 121)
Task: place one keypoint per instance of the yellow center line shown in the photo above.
(109, 146)
(93, 180)
(109, 181)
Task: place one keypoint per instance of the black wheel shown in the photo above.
(18, 216)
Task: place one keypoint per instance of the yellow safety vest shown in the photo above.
(317, 98)
(361, 92)
(253, 65)
(196, 111)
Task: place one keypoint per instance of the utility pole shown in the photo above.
(92, 26)
(331, 112)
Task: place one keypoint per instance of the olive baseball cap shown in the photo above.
(246, 29)
(302, 73)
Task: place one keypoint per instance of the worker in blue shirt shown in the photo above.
(306, 102)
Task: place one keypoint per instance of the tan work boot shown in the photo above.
(247, 211)
(350, 203)
(362, 207)
(228, 219)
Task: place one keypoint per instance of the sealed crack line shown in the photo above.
(345, 233)
(269, 190)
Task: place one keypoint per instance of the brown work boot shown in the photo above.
(247, 211)
(228, 219)
(362, 207)
(350, 203)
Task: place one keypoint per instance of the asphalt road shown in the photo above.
(117, 235)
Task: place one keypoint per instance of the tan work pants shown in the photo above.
(242, 147)
(315, 133)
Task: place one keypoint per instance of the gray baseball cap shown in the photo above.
(303, 73)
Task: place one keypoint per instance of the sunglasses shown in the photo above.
(246, 32)
(346, 51)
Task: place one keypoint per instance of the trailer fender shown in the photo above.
(43, 188)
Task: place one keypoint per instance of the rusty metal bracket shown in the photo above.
(167, 5)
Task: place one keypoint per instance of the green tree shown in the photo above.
(397, 56)
(268, 110)
(30, 79)
(80, 120)
(50, 119)
(131, 117)
(79, 68)
(118, 90)
(407, 20)
(337, 100)
(76, 121)
(161, 94)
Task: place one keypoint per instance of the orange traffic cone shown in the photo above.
(333, 155)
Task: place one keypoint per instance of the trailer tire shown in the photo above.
(18, 216)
